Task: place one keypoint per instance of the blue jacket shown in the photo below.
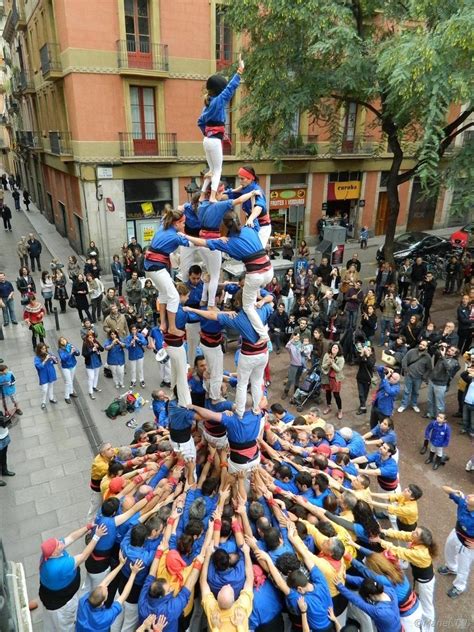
(180, 417)
(258, 200)
(172, 607)
(195, 294)
(242, 430)
(356, 445)
(165, 241)
(191, 221)
(267, 604)
(157, 336)
(160, 412)
(46, 371)
(384, 614)
(211, 215)
(134, 553)
(386, 394)
(438, 434)
(240, 245)
(116, 354)
(68, 357)
(243, 324)
(7, 383)
(135, 347)
(214, 113)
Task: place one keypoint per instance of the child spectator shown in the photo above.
(363, 237)
(8, 386)
(437, 436)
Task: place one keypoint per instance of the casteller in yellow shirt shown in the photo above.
(225, 620)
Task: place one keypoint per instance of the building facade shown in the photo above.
(104, 99)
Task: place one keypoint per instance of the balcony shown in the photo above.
(60, 144)
(25, 80)
(18, 17)
(30, 140)
(142, 58)
(51, 67)
(358, 146)
(153, 145)
(300, 146)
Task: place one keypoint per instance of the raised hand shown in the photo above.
(136, 567)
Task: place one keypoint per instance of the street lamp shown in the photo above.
(191, 188)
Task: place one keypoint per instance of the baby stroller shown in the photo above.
(310, 388)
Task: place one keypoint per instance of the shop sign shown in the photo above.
(147, 208)
(148, 232)
(349, 190)
(105, 173)
(287, 197)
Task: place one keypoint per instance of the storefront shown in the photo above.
(287, 207)
(145, 201)
(343, 195)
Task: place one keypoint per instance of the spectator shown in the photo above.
(384, 399)
(60, 291)
(428, 289)
(27, 202)
(25, 285)
(287, 290)
(7, 302)
(73, 268)
(22, 251)
(445, 367)
(34, 250)
(108, 300)
(417, 276)
(115, 322)
(118, 274)
(92, 251)
(6, 216)
(16, 199)
(416, 366)
(366, 362)
(33, 316)
(453, 270)
(80, 292)
(412, 331)
(95, 288)
(404, 278)
(47, 290)
(133, 290)
(465, 318)
(276, 325)
(331, 377)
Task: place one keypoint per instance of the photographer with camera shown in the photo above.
(366, 361)
(387, 392)
(445, 367)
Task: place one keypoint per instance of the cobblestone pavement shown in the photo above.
(51, 450)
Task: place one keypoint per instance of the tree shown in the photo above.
(405, 66)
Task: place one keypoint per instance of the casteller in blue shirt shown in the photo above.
(98, 618)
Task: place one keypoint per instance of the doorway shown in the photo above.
(80, 234)
(62, 210)
(381, 222)
(422, 209)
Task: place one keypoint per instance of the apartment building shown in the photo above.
(103, 101)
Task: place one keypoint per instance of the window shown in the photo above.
(137, 26)
(142, 102)
(223, 40)
(157, 191)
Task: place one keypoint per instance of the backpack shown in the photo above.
(130, 400)
(116, 408)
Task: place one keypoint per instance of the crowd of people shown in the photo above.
(226, 509)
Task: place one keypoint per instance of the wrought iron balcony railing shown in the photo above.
(152, 144)
(142, 55)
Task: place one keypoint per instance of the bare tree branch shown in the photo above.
(369, 106)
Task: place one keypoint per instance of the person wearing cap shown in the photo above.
(60, 578)
(212, 124)
(93, 615)
(387, 391)
(210, 216)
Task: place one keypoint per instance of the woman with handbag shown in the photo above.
(33, 316)
(80, 292)
(60, 292)
(331, 377)
(365, 374)
(25, 284)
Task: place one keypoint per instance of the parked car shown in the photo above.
(463, 237)
(417, 244)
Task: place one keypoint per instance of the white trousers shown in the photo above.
(187, 258)
(192, 340)
(213, 262)
(136, 366)
(215, 364)
(411, 623)
(63, 619)
(425, 592)
(264, 233)
(95, 504)
(458, 559)
(214, 156)
(167, 292)
(92, 580)
(187, 449)
(118, 371)
(47, 391)
(92, 379)
(235, 468)
(220, 443)
(127, 621)
(249, 369)
(68, 375)
(253, 282)
(165, 371)
(179, 377)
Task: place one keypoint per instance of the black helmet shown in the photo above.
(215, 84)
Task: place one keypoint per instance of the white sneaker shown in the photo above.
(416, 409)
(400, 409)
(469, 466)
